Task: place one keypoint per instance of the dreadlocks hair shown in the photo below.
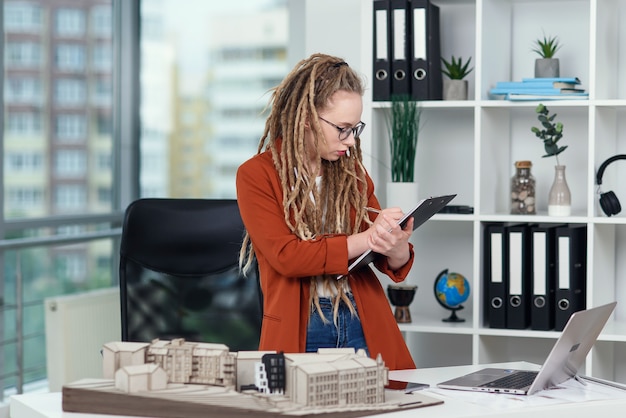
(307, 89)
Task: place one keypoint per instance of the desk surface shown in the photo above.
(456, 403)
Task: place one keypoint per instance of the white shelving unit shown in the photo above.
(470, 147)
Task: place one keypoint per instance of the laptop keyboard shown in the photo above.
(517, 380)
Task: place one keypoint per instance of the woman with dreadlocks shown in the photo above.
(304, 201)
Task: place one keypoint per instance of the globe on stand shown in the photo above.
(451, 289)
(401, 297)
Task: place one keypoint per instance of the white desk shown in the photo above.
(456, 404)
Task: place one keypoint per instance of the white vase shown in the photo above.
(402, 194)
(560, 198)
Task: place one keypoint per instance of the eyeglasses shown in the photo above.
(344, 133)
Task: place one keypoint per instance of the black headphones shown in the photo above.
(608, 201)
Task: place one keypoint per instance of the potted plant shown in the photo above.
(559, 199)
(455, 87)
(403, 124)
(547, 65)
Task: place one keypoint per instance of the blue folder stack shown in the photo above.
(558, 88)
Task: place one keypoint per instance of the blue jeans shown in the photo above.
(347, 333)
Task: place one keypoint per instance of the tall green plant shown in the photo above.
(403, 124)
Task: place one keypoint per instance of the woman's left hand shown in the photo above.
(387, 238)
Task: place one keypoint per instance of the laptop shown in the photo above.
(567, 355)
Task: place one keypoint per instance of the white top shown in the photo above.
(321, 291)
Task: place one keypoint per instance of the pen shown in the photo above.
(410, 403)
(604, 382)
(369, 209)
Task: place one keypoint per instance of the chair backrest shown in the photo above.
(179, 275)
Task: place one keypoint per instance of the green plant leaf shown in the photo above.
(551, 133)
(456, 69)
(403, 127)
(547, 47)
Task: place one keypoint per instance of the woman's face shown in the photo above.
(342, 113)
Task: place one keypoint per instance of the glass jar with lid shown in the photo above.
(523, 190)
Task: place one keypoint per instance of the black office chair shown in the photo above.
(179, 274)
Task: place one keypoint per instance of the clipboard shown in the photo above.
(422, 212)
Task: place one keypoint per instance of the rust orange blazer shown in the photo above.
(284, 259)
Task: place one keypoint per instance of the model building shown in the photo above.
(196, 380)
(331, 377)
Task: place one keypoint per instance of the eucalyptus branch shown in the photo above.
(551, 133)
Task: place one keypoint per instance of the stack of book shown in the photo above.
(558, 88)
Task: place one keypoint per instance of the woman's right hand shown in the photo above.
(382, 236)
(388, 238)
(388, 217)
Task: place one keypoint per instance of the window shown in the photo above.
(70, 22)
(22, 17)
(101, 57)
(62, 161)
(212, 78)
(101, 21)
(70, 163)
(104, 195)
(53, 94)
(23, 90)
(50, 113)
(70, 128)
(102, 92)
(70, 57)
(22, 54)
(70, 197)
(23, 123)
(235, 142)
(104, 124)
(103, 162)
(20, 198)
(70, 92)
(72, 266)
(23, 162)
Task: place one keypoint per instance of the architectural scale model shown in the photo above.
(170, 378)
